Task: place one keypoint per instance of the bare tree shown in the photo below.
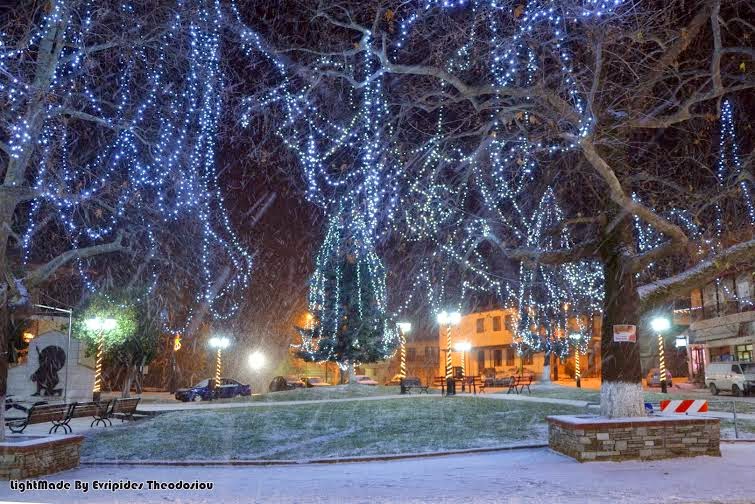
(110, 118)
(466, 115)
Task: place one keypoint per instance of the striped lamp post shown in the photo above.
(661, 325)
(219, 343)
(403, 329)
(449, 319)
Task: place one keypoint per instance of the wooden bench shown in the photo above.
(517, 384)
(98, 410)
(412, 382)
(58, 414)
(474, 383)
(124, 408)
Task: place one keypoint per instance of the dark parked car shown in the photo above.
(653, 378)
(280, 383)
(203, 392)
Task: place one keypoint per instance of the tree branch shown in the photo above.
(619, 197)
(45, 271)
(740, 256)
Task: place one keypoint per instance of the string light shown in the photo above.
(161, 153)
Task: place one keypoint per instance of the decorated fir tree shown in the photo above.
(347, 300)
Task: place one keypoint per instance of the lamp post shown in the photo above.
(463, 347)
(219, 342)
(99, 325)
(403, 329)
(661, 325)
(449, 319)
(575, 337)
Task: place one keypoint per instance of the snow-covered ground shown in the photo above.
(522, 476)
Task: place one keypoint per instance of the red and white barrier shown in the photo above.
(684, 406)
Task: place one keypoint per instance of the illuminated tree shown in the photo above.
(449, 121)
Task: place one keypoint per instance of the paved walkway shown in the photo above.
(517, 477)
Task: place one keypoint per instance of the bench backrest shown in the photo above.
(411, 381)
(48, 412)
(127, 406)
(92, 408)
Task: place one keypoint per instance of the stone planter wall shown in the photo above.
(30, 456)
(588, 438)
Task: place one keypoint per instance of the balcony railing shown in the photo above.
(729, 307)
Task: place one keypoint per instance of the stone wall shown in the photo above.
(31, 456)
(589, 438)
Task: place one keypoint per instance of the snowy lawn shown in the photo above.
(334, 392)
(349, 428)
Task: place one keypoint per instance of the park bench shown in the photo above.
(124, 408)
(517, 384)
(412, 382)
(58, 414)
(98, 410)
(474, 383)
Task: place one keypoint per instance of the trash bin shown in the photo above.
(450, 386)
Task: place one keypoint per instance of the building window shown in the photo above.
(480, 325)
(509, 323)
(509, 356)
(496, 323)
(744, 352)
(497, 358)
(527, 358)
(411, 354)
(431, 354)
(480, 360)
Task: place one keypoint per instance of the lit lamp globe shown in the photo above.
(219, 342)
(405, 327)
(463, 346)
(257, 360)
(660, 324)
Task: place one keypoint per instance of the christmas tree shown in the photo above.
(347, 301)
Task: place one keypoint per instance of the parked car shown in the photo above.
(364, 380)
(316, 381)
(281, 383)
(203, 392)
(736, 377)
(653, 379)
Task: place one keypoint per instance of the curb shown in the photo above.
(338, 460)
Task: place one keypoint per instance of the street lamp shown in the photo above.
(463, 347)
(257, 360)
(219, 342)
(99, 325)
(661, 325)
(403, 329)
(575, 337)
(449, 319)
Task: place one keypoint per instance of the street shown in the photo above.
(521, 476)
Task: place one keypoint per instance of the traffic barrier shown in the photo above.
(684, 406)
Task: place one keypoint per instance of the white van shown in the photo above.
(737, 377)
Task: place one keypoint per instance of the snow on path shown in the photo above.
(516, 477)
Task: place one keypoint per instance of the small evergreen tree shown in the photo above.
(350, 325)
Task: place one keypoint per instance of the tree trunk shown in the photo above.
(126, 389)
(621, 374)
(4, 337)
(546, 377)
(352, 372)
(555, 369)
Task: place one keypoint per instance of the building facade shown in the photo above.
(722, 324)
(491, 338)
